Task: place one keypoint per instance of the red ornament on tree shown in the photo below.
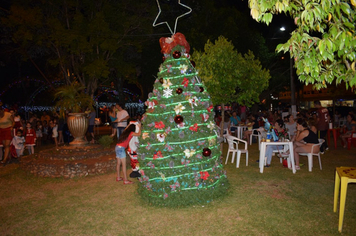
(179, 90)
(176, 54)
(201, 89)
(163, 58)
(206, 152)
(161, 80)
(178, 119)
(193, 63)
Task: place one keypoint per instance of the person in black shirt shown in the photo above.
(303, 141)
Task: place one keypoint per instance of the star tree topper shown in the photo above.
(165, 22)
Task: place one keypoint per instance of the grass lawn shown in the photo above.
(276, 202)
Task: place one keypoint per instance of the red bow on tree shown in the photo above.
(157, 155)
(167, 44)
(194, 127)
(185, 82)
(159, 125)
(209, 108)
(204, 175)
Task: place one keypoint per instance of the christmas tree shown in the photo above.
(179, 149)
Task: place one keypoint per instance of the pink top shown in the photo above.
(125, 143)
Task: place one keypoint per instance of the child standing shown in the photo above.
(18, 141)
(30, 138)
(54, 127)
(121, 145)
(38, 134)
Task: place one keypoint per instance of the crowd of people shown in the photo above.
(304, 130)
(19, 135)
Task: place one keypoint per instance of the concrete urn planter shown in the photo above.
(78, 126)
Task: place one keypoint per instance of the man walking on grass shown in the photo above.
(122, 117)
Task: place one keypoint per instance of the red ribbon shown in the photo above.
(167, 44)
(194, 127)
(185, 82)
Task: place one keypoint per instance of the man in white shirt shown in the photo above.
(122, 117)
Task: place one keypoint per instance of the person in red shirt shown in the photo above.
(6, 125)
(122, 144)
(30, 138)
(323, 119)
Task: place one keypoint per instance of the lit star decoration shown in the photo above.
(162, 176)
(144, 135)
(179, 108)
(183, 69)
(193, 101)
(165, 22)
(211, 125)
(189, 153)
(167, 92)
(166, 83)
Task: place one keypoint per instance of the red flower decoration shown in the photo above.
(204, 175)
(157, 155)
(159, 125)
(194, 127)
(185, 82)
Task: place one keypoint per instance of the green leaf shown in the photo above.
(321, 46)
(267, 18)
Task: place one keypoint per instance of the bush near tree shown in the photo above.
(228, 75)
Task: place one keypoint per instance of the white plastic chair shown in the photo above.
(259, 135)
(284, 154)
(311, 154)
(219, 132)
(233, 143)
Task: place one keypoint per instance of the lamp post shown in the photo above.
(292, 84)
(292, 89)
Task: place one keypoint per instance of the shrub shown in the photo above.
(105, 141)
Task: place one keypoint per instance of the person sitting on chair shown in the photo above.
(350, 127)
(278, 128)
(303, 141)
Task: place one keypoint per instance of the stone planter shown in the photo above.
(78, 126)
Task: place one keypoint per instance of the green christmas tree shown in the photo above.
(179, 149)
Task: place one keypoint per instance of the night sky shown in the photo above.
(11, 71)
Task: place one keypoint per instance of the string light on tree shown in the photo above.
(180, 156)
